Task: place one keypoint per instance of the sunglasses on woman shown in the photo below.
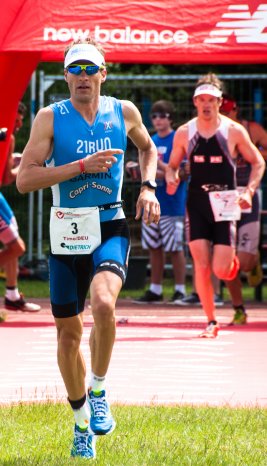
(89, 69)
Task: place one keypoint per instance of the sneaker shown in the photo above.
(218, 300)
(149, 298)
(101, 421)
(177, 296)
(21, 305)
(255, 276)
(240, 317)
(211, 331)
(83, 444)
(3, 316)
(190, 300)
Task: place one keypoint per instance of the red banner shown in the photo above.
(140, 31)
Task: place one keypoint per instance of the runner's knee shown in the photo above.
(103, 307)
(204, 270)
(69, 339)
(221, 271)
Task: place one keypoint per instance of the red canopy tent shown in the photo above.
(138, 31)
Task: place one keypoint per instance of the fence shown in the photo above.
(33, 212)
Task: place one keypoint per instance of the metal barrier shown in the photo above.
(250, 90)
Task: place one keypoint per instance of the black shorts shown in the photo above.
(200, 222)
(71, 275)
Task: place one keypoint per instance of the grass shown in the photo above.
(40, 289)
(41, 434)
(30, 288)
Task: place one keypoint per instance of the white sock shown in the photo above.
(157, 289)
(12, 294)
(97, 384)
(180, 288)
(82, 416)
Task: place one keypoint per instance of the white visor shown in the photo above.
(84, 52)
(208, 89)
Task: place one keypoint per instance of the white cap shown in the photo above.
(86, 52)
(208, 89)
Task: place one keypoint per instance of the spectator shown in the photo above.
(167, 236)
(14, 246)
(248, 227)
(211, 142)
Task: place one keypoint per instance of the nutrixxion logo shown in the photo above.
(247, 27)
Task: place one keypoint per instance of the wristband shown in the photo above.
(82, 166)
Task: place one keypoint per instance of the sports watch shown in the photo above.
(150, 184)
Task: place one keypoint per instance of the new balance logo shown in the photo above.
(247, 27)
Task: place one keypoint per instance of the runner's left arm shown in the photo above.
(137, 132)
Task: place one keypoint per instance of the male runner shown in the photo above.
(82, 141)
(211, 142)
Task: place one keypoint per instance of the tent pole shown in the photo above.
(40, 192)
(31, 195)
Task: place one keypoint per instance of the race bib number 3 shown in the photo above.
(225, 205)
(74, 231)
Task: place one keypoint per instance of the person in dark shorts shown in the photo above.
(211, 143)
(248, 227)
(82, 141)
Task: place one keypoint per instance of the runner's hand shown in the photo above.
(172, 180)
(149, 205)
(101, 161)
(245, 200)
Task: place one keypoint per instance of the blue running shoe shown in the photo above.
(83, 444)
(101, 421)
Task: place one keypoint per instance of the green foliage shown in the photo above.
(30, 289)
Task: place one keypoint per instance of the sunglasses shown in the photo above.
(89, 69)
(159, 115)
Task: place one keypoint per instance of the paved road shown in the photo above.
(157, 357)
